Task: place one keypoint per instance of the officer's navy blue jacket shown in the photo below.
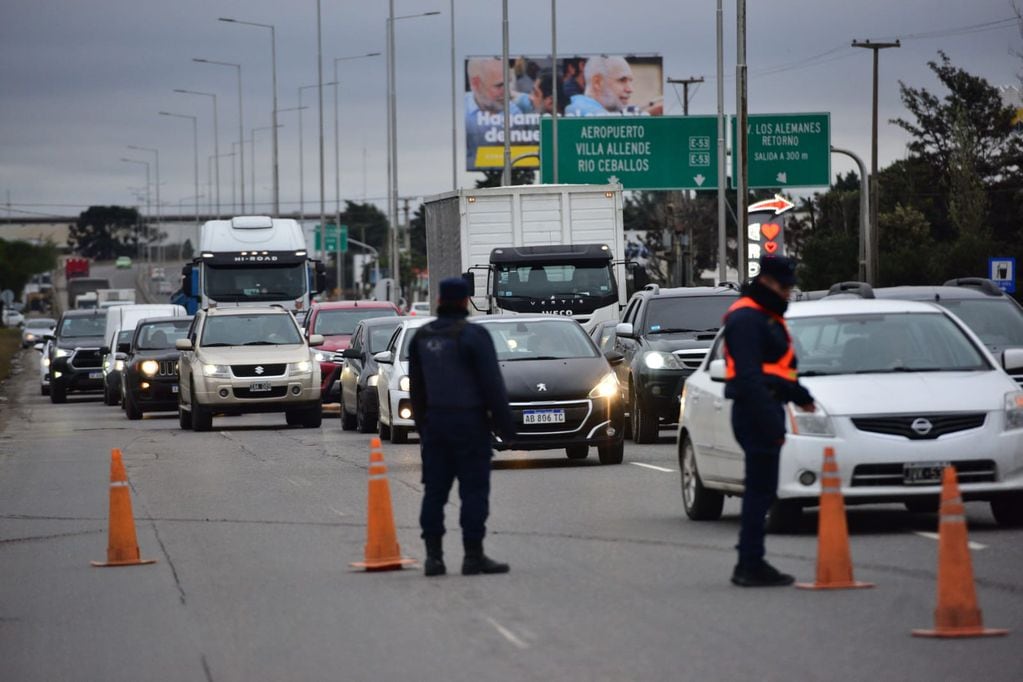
(754, 338)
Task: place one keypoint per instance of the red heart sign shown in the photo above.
(770, 230)
(771, 247)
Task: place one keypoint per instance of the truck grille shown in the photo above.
(691, 359)
(866, 475)
(576, 413)
(86, 358)
(267, 370)
(274, 392)
(941, 424)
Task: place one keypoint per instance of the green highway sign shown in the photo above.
(639, 152)
(787, 150)
(335, 241)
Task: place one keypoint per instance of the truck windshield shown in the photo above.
(592, 280)
(79, 327)
(236, 283)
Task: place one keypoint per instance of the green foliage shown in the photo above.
(828, 257)
(19, 260)
(105, 232)
(908, 255)
(520, 176)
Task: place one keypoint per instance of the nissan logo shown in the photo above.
(921, 426)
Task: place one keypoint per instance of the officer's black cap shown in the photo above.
(779, 268)
(453, 290)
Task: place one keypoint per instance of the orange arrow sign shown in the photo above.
(778, 204)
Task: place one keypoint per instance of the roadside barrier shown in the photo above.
(382, 552)
(957, 613)
(834, 561)
(122, 544)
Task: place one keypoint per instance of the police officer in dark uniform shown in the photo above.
(760, 370)
(458, 400)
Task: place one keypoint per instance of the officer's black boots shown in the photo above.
(477, 562)
(760, 574)
(434, 564)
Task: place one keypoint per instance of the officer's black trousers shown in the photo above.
(761, 483)
(456, 444)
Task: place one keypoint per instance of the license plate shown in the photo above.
(95, 375)
(923, 473)
(174, 388)
(258, 386)
(543, 417)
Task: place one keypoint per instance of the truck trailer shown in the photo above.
(532, 249)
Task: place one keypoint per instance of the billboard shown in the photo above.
(589, 85)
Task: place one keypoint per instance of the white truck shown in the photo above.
(252, 261)
(108, 298)
(532, 249)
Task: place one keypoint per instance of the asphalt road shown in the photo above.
(254, 525)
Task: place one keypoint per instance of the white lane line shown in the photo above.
(508, 634)
(336, 511)
(655, 468)
(934, 536)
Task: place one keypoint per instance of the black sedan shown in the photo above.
(358, 382)
(150, 374)
(563, 392)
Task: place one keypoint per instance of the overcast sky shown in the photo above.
(81, 80)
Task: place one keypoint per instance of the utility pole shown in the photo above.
(688, 255)
(722, 158)
(506, 175)
(685, 83)
(875, 233)
(739, 144)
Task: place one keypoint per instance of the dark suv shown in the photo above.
(665, 335)
(150, 375)
(75, 360)
(989, 312)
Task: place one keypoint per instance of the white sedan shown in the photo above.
(903, 389)
(395, 407)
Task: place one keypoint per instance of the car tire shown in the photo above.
(644, 424)
(923, 505)
(399, 435)
(383, 430)
(293, 417)
(785, 517)
(611, 454)
(700, 503)
(1008, 510)
(577, 451)
(348, 421)
(44, 390)
(58, 393)
(131, 409)
(108, 396)
(202, 418)
(364, 422)
(184, 418)
(313, 418)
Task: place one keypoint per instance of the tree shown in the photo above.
(19, 260)
(105, 232)
(520, 176)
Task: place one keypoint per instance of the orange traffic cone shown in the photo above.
(382, 551)
(957, 614)
(122, 545)
(834, 563)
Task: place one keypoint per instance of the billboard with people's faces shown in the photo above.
(593, 85)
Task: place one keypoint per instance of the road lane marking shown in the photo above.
(934, 536)
(336, 511)
(508, 634)
(655, 468)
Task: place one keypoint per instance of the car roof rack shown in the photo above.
(655, 288)
(861, 289)
(985, 285)
(726, 284)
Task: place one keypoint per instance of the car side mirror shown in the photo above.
(104, 350)
(38, 347)
(717, 370)
(124, 348)
(614, 357)
(1012, 359)
(315, 340)
(49, 337)
(384, 357)
(351, 354)
(183, 344)
(625, 329)
(320, 278)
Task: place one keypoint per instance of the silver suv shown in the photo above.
(242, 360)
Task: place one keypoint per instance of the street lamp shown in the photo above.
(241, 133)
(252, 166)
(299, 110)
(392, 140)
(273, 59)
(195, 149)
(216, 139)
(138, 245)
(301, 152)
(157, 153)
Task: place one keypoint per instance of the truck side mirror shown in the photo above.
(470, 279)
(186, 282)
(320, 283)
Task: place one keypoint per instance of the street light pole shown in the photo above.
(273, 122)
(506, 176)
(253, 169)
(216, 141)
(195, 151)
(299, 109)
(157, 153)
(319, 95)
(301, 151)
(241, 128)
(454, 99)
(138, 241)
(739, 144)
(554, 89)
(722, 158)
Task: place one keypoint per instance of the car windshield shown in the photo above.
(668, 314)
(379, 335)
(78, 327)
(998, 321)
(335, 322)
(543, 281)
(883, 343)
(39, 323)
(161, 335)
(540, 340)
(257, 329)
(255, 283)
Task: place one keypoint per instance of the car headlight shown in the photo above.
(404, 383)
(62, 353)
(656, 359)
(321, 357)
(151, 367)
(216, 371)
(606, 387)
(816, 423)
(118, 365)
(1014, 410)
(106, 365)
(46, 361)
(301, 367)
(373, 380)
(30, 337)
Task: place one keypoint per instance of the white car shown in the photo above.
(395, 408)
(419, 308)
(44, 367)
(36, 329)
(12, 318)
(902, 388)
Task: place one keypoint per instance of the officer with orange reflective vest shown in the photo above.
(760, 371)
